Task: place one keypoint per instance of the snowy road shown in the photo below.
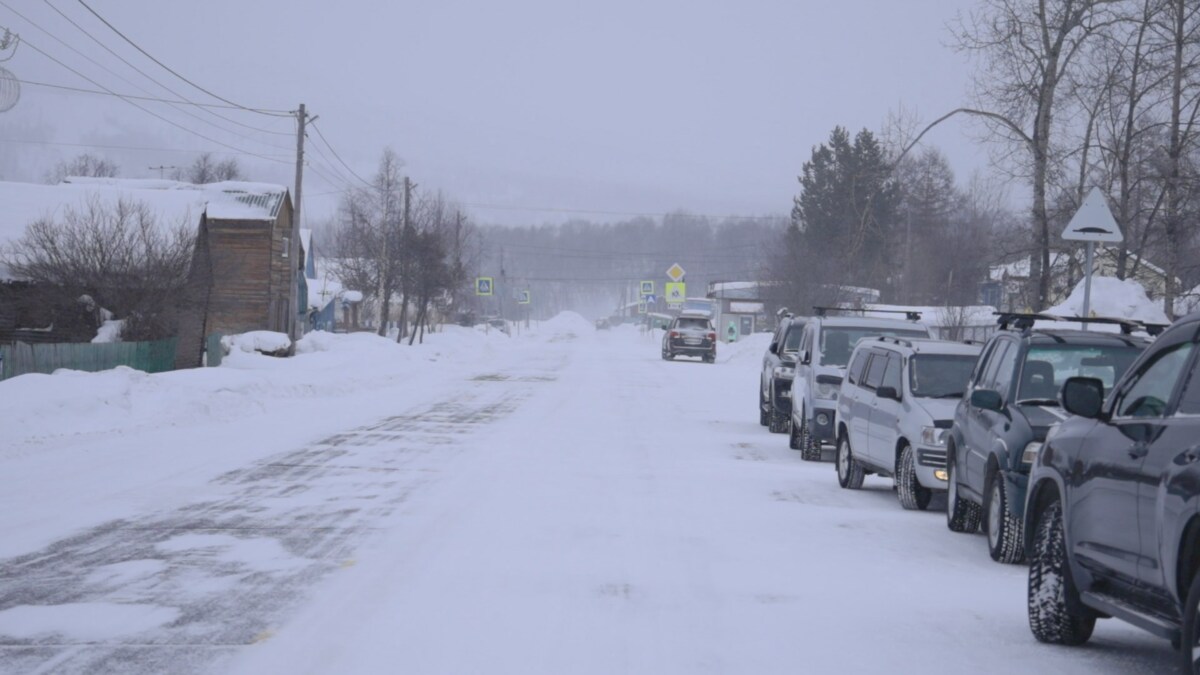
(566, 503)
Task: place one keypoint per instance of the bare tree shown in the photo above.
(1029, 48)
(118, 255)
(206, 169)
(83, 165)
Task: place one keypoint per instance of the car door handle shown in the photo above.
(1139, 451)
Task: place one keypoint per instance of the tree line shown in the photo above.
(1071, 94)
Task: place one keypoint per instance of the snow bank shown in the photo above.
(263, 341)
(1111, 297)
(564, 326)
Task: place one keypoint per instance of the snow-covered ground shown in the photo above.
(558, 501)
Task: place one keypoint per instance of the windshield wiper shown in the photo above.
(1038, 401)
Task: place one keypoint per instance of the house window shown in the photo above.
(287, 246)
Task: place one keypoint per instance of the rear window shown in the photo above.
(838, 342)
(690, 322)
(940, 375)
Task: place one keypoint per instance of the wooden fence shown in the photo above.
(153, 357)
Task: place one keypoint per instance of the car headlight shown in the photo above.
(933, 436)
(827, 391)
(784, 372)
(1031, 452)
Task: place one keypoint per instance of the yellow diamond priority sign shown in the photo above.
(675, 272)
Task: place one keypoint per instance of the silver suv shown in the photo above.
(824, 352)
(895, 410)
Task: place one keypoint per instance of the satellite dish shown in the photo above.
(10, 90)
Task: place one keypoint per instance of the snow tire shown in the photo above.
(810, 450)
(961, 515)
(913, 496)
(778, 423)
(794, 439)
(1052, 593)
(849, 471)
(1189, 656)
(1004, 530)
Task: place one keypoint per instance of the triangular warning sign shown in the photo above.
(1093, 221)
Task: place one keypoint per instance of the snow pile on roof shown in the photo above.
(170, 201)
(1112, 297)
(264, 341)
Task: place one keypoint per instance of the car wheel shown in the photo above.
(961, 515)
(764, 416)
(810, 449)
(1052, 593)
(779, 423)
(794, 437)
(1190, 654)
(850, 472)
(1003, 528)
(913, 495)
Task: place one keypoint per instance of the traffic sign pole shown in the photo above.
(1087, 283)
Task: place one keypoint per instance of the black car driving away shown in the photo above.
(690, 334)
(1113, 515)
(1011, 402)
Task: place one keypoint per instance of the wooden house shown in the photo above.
(243, 275)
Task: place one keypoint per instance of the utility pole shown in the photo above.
(161, 169)
(294, 243)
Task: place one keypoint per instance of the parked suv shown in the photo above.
(690, 334)
(894, 410)
(778, 369)
(1000, 425)
(1113, 511)
(824, 352)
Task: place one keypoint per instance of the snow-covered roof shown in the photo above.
(172, 202)
(226, 200)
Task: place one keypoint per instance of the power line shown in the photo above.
(262, 111)
(335, 154)
(149, 77)
(124, 147)
(135, 97)
(147, 110)
(127, 81)
(551, 209)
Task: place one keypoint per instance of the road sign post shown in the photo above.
(1092, 223)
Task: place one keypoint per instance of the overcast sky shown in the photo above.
(614, 106)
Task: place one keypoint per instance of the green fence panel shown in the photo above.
(213, 351)
(153, 357)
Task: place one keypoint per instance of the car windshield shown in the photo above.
(792, 341)
(940, 375)
(692, 323)
(837, 343)
(1047, 368)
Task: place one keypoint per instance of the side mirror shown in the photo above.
(888, 392)
(987, 399)
(1083, 396)
(774, 348)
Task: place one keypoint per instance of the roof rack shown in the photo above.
(895, 340)
(911, 315)
(1024, 321)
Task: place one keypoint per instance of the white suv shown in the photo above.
(895, 410)
(824, 352)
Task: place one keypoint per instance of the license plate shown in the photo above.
(692, 341)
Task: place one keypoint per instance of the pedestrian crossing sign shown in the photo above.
(483, 286)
